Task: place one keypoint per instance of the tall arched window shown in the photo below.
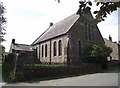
(45, 50)
(54, 49)
(86, 35)
(59, 48)
(89, 29)
(42, 50)
(92, 33)
(79, 45)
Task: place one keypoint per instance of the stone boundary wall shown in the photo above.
(36, 72)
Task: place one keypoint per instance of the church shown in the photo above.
(64, 42)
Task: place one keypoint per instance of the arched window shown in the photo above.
(79, 47)
(45, 50)
(86, 35)
(92, 33)
(59, 48)
(42, 51)
(54, 49)
(89, 29)
(37, 52)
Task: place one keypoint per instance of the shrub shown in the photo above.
(8, 68)
(7, 73)
(97, 54)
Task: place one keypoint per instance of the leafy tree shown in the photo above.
(105, 8)
(2, 22)
(106, 51)
(96, 53)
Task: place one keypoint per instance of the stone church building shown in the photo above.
(65, 41)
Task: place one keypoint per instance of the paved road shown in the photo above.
(99, 79)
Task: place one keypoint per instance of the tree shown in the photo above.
(2, 22)
(105, 8)
(97, 54)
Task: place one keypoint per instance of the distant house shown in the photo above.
(20, 48)
(23, 51)
(65, 41)
(115, 48)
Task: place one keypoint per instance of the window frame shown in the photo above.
(54, 48)
(59, 47)
(79, 48)
(45, 50)
(42, 51)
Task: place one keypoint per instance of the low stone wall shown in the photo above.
(39, 72)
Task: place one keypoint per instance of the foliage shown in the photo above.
(96, 53)
(8, 68)
(2, 22)
(106, 51)
(7, 73)
(105, 8)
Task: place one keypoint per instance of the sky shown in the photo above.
(27, 19)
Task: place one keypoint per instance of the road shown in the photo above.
(99, 79)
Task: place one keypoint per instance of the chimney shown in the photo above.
(13, 41)
(51, 24)
(110, 38)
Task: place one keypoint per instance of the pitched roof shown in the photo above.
(57, 29)
(107, 40)
(23, 47)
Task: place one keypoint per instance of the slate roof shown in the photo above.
(23, 47)
(57, 29)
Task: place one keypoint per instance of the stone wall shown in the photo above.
(78, 33)
(50, 58)
(31, 73)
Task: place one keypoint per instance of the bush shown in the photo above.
(7, 73)
(96, 54)
(8, 68)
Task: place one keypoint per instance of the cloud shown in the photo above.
(27, 19)
(110, 26)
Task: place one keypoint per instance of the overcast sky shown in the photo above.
(27, 19)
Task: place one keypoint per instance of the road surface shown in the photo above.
(99, 79)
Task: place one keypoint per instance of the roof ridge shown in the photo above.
(40, 36)
(65, 18)
(22, 44)
(70, 20)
